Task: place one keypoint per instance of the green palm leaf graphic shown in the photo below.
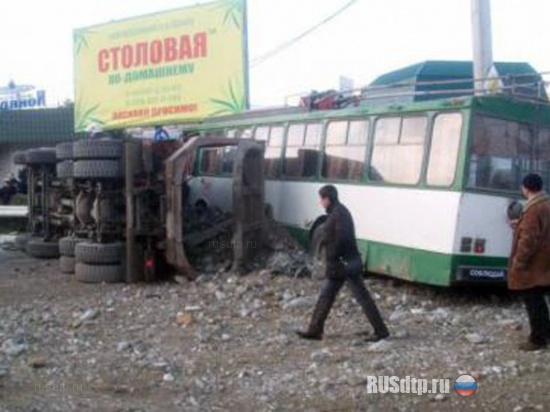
(233, 102)
(80, 40)
(86, 116)
(233, 11)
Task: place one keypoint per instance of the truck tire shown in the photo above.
(64, 169)
(67, 245)
(98, 149)
(98, 253)
(97, 169)
(64, 151)
(40, 249)
(98, 273)
(66, 264)
(41, 156)
(20, 158)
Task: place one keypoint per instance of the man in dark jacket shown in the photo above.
(343, 265)
(529, 266)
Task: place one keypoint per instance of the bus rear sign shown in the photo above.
(478, 274)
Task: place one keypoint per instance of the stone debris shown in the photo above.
(380, 346)
(123, 346)
(476, 338)
(13, 348)
(184, 319)
(299, 303)
(89, 315)
(320, 355)
(168, 377)
(211, 250)
(37, 362)
(226, 342)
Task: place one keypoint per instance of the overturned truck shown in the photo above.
(126, 209)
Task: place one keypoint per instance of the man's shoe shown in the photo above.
(377, 337)
(531, 346)
(309, 335)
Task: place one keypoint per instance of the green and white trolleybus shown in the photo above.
(428, 183)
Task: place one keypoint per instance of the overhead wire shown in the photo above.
(289, 43)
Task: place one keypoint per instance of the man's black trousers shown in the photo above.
(359, 291)
(539, 319)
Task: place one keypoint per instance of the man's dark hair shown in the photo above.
(533, 182)
(330, 192)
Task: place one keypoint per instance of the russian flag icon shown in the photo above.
(465, 385)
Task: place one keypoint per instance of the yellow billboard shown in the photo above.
(166, 68)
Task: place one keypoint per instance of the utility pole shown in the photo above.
(483, 43)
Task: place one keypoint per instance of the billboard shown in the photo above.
(166, 68)
(21, 97)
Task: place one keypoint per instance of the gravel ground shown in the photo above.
(226, 343)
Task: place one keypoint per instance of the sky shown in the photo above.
(369, 39)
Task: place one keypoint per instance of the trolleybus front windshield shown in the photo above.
(503, 151)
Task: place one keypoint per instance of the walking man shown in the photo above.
(529, 270)
(343, 265)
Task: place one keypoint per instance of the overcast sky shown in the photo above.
(372, 37)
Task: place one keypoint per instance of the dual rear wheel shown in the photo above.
(91, 262)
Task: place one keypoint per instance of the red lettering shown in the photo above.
(127, 57)
(186, 52)
(167, 50)
(170, 49)
(103, 61)
(114, 57)
(200, 48)
(156, 52)
(141, 55)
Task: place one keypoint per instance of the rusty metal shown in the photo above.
(178, 168)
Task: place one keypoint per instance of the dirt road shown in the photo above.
(226, 343)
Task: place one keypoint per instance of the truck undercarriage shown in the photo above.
(119, 209)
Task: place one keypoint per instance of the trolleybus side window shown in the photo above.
(345, 150)
(500, 153)
(232, 133)
(273, 136)
(445, 146)
(274, 151)
(302, 150)
(262, 133)
(398, 151)
(239, 133)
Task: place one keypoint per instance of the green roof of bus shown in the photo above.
(506, 107)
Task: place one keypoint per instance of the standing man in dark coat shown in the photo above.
(529, 266)
(343, 265)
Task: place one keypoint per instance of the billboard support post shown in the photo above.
(246, 54)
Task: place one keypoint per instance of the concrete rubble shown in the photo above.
(226, 342)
